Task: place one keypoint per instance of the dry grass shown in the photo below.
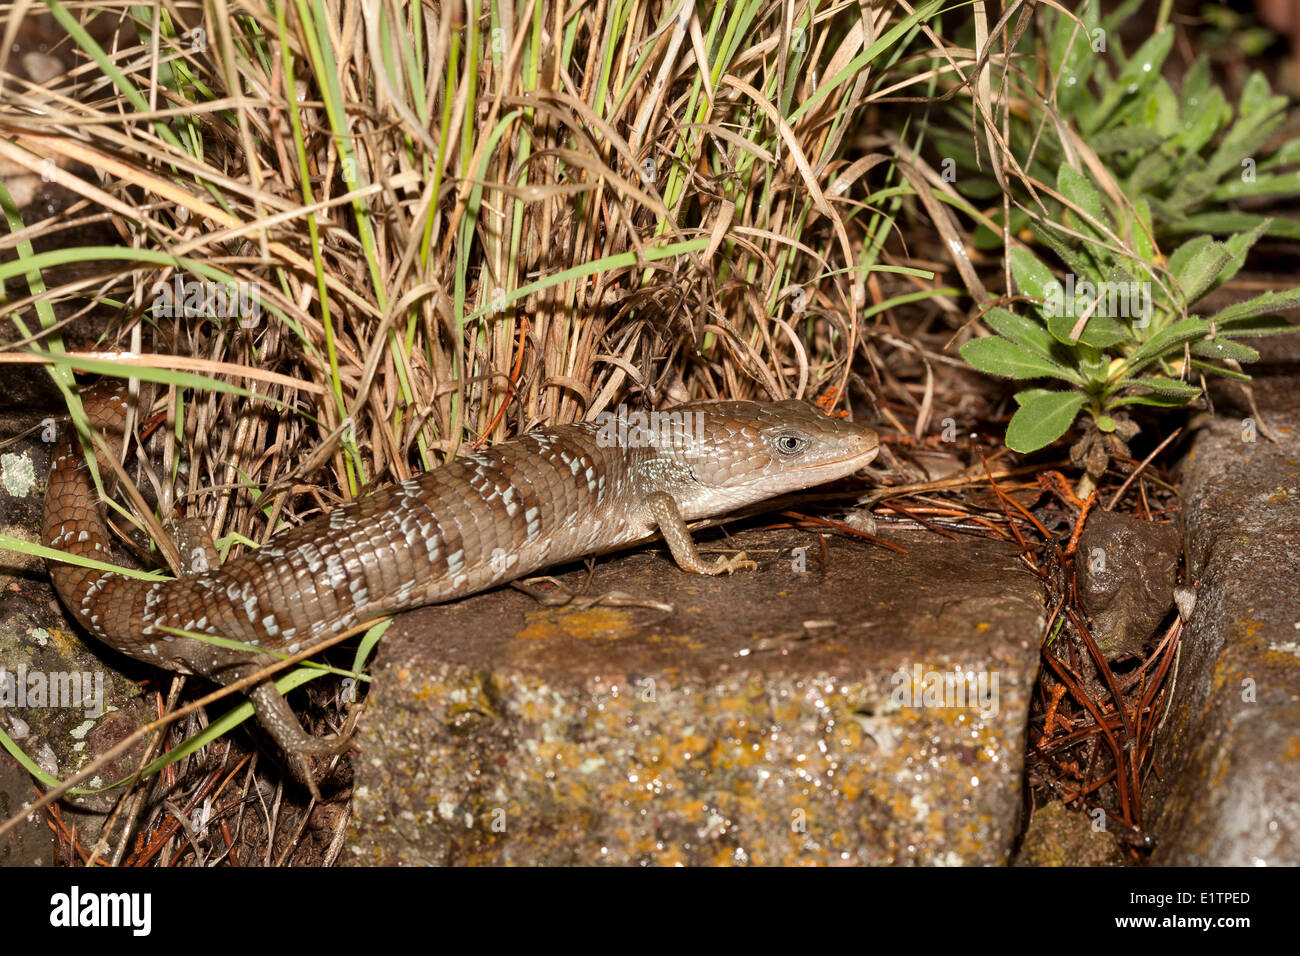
(528, 213)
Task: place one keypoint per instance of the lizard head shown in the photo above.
(719, 456)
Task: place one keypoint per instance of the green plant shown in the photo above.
(1188, 155)
(1119, 330)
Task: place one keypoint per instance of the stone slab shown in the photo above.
(62, 701)
(1229, 756)
(764, 720)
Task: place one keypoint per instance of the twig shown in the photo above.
(1138, 470)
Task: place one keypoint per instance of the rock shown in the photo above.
(798, 714)
(60, 702)
(1228, 791)
(1059, 836)
(1126, 569)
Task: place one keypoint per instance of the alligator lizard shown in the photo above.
(487, 518)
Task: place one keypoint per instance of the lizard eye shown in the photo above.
(789, 445)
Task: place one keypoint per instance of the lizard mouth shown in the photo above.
(850, 463)
(859, 459)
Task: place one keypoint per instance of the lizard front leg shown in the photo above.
(668, 518)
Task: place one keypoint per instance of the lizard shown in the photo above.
(548, 497)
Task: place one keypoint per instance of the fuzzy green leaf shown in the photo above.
(998, 356)
(1244, 141)
(1127, 140)
(1183, 254)
(1200, 269)
(1111, 22)
(1209, 369)
(1100, 331)
(1237, 247)
(1029, 394)
(1077, 188)
(1202, 121)
(1162, 109)
(1167, 386)
(1255, 96)
(1071, 59)
(1196, 84)
(1137, 77)
(1221, 222)
(1032, 277)
(1022, 330)
(1158, 399)
(1224, 349)
(1042, 418)
(1141, 232)
(1284, 155)
(1052, 237)
(1154, 169)
(1167, 341)
(1259, 305)
(1275, 184)
(1117, 296)
(1258, 325)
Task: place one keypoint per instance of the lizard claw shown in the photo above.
(737, 562)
